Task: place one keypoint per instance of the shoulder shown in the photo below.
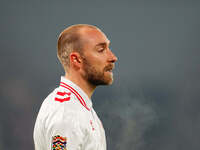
(59, 99)
(61, 104)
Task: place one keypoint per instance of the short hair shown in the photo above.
(69, 41)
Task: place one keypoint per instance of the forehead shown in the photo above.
(93, 37)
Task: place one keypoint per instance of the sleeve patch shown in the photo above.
(59, 143)
(62, 96)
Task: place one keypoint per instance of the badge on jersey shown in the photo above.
(59, 143)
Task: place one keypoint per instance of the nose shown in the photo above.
(112, 57)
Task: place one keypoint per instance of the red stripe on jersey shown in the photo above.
(62, 100)
(63, 93)
(76, 94)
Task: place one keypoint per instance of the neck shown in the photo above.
(83, 84)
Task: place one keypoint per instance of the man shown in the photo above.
(67, 120)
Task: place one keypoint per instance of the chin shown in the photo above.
(100, 79)
(111, 82)
(108, 81)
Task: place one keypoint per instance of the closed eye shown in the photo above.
(101, 49)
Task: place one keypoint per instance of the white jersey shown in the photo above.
(67, 121)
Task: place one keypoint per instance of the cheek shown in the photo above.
(96, 60)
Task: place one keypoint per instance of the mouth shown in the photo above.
(109, 68)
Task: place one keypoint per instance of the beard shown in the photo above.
(97, 77)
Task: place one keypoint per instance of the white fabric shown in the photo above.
(74, 118)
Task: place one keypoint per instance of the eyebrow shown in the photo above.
(102, 44)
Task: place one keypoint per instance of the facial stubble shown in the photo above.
(96, 77)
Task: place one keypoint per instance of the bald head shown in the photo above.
(70, 40)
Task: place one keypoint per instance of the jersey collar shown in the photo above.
(77, 91)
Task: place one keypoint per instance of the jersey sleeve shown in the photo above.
(65, 133)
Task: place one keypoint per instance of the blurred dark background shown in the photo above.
(154, 101)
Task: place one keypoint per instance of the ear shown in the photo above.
(75, 59)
